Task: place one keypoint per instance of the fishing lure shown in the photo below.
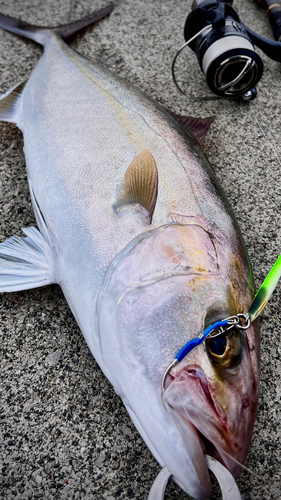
(241, 321)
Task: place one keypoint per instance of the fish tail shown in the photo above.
(38, 33)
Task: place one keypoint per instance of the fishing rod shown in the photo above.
(225, 47)
(273, 12)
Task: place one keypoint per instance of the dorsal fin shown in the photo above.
(140, 184)
(198, 127)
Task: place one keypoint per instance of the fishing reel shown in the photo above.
(225, 50)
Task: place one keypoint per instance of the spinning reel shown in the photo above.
(224, 47)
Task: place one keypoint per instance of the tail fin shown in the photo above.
(37, 33)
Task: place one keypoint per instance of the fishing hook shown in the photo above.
(220, 326)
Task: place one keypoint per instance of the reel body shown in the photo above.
(225, 49)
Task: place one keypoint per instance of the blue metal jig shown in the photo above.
(195, 342)
(221, 326)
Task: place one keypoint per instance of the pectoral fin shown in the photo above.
(140, 184)
(10, 102)
(25, 262)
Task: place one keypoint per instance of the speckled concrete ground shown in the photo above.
(64, 432)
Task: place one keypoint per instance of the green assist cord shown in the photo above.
(265, 291)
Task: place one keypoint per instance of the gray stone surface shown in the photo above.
(64, 432)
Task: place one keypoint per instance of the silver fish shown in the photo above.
(135, 230)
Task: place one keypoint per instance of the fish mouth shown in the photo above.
(210, 448)
(218, 454)
(191, 403)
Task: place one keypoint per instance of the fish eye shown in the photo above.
(225, 350)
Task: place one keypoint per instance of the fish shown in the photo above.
(136, 230)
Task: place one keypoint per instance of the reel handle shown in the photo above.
(271, 48)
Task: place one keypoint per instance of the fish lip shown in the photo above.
(196, 371)
(209, 448)
(208, 445)
(204, 384)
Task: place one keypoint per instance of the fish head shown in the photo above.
(216, 389)
(163, 291)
